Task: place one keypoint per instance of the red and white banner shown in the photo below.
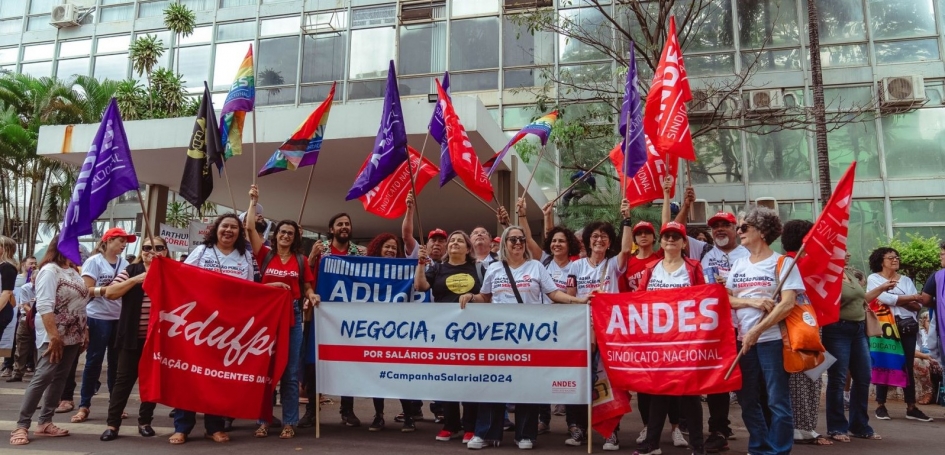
(665, 119)
(389, 198)
(208, 352)
(825, 249)
(486, 353)
(667, 342)
(610, 404)
(178, 240)
(646, 186)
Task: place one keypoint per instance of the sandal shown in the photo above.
(840, 437)
(124, 415)
(65, 406)
(177, 438)
(81, 416)
(873, 436)
(50, 430)
(19, 437)
(287, 432)
(821, 441)
(219, 436)
(262, 431)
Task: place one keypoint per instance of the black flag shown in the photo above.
(204, 149)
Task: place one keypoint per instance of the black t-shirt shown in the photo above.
(451, 281)
(929, 288)
(7, 276)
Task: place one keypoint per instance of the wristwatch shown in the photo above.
(627, 222)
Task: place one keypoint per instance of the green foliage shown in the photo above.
(918, 257)
(145, 53)
(604, 205)
(180, 19)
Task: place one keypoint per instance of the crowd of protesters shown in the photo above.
(61, 309)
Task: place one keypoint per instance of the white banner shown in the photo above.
(485, 353)
(178, 240)
(197, 232)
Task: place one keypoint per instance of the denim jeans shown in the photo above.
(763, 365)
(289, 384)
(101, 336)
(847, 341)
(489, 421)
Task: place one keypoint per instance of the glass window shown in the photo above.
(72, 67)
(279, 26)
(323, 22)
(318, 93)
(914, 143)
(374, 17)
(422, 48)
(521, 47)
(116, 13)
(231, 3)
(516, 117)
(371, 51)
(8, 54)
(199, 5)
(840, 20)
(10, 27)
(718, 154)
(710, 30)
(853, 142)
(907, 51)
(848, 98)
(926, 210)
(474, 44)
(75, 48)
(152, 9)
(587, 23)
(227, 61)
(474, 82)
(528, 77)
(39, 69)
(360, 90)
(903, 233)
(767, 23)
(199, 36)
(867, 225)
(114, 67)
(710, 64)
(416, 86)
(40, 6)
(846, 55)
(194, 64)
(479, 7)
(777, 156)
(39, 23)
(323, 58)
(784, 60)
(278, 62)
(112, 44)
(236, 30)
(585, 74)
(901, 18)
(38, 51)
(274, 96)
(12, 8)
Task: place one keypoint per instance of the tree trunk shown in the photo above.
(820, 120)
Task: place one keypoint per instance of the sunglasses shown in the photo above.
(518, 239)
(744, 228)
(672, 236)
(157, 248)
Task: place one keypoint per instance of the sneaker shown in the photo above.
(6, 372)
(508, 425)
(377, 424)
(916, 414)
(439, 419)
(729, 434)
(349, 419)
(409, 426)
(577, 436)
(559, 410)
(678, 439)
(683, 427)
(307, 420)
(882, 413)
(542, 427)
(476, 443)
(642, 436)
(525, 444)
(467, 436)
(732, 398)
(647, 450)
(716, 442)
(446, 435)
(612, 443)
(418, 417)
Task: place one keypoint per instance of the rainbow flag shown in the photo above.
(302, 148)
(540, 128)
(238, 102)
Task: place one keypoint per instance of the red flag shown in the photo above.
(646, 186)
(464, 159)
(203, 348)
(609, 404)
(389, 198)
(665, 119)
(825, 248)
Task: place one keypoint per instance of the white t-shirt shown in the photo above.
(233, 264)
(718, 258)
(98, 268)
(531, 278)
(904, 286)
(589, 277)
(558, 274)
(661, 279)
(695, 247)
(757, 281)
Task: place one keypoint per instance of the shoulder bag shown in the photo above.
(508, 273)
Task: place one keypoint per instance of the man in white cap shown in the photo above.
(262, 226)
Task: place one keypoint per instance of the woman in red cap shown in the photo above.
(98, 272)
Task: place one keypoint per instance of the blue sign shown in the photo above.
(368, 279)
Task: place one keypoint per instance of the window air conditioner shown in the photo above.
(903, 90)
(64, 16)
(765, 100)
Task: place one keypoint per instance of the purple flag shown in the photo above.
(106, 174)
(438, 131)
(390, 147)
(634, 143)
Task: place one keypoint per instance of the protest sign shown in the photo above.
(204, 348)
(485, 353)
(178, 240)
(368, 279)
(667, 342)
(198, 231)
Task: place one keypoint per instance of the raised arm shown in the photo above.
(549, 211)
(420, 277)
(626, 237)
(688, 200)
(255, 239)
(533, 247)
(406, 227)
(667, 189)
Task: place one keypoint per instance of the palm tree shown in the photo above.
(820, 116)
(144, 54)
(181, 20)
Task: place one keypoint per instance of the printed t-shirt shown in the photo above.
(904, 286)
(718, 258)
(448, 281)
(757, 281)
(531, 278)
(145, 307)
(234, 264)
(61, 292)
(589, 277)
(288, 273)
(635, 268)
(98, 268)
(661, 279)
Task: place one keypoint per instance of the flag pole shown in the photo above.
(254, 146)
(689, 185)
(305, 195)
(147, 221)
(586, 174)
(534, 170)
(476, 196)
(413, 181)
(230, 189)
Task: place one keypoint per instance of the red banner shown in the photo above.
(389, 198)
(609, 405)
(646, 186)
(667, 342)
(665, 119)
(208, 352)
(825, 249)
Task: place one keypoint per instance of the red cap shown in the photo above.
(497, 240)
(118, 232)
(722, 216)
(673, 226)
(643, 225)
(436, 232)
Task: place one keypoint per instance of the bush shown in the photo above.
(918, 257)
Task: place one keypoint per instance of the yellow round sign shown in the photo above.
(460, 283)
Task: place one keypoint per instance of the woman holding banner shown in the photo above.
(285, 268)
(130, 337)
(457, 275)
(514, 278)
(752, 282)
(673, 271)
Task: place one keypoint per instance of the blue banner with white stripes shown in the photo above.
(368, 279)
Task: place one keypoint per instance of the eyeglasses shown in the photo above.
(514, 240)
(891, 258)
(287, 233)
(744, 228)
(157, 248)
(672, 236)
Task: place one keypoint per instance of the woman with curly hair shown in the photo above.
(385, 245)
